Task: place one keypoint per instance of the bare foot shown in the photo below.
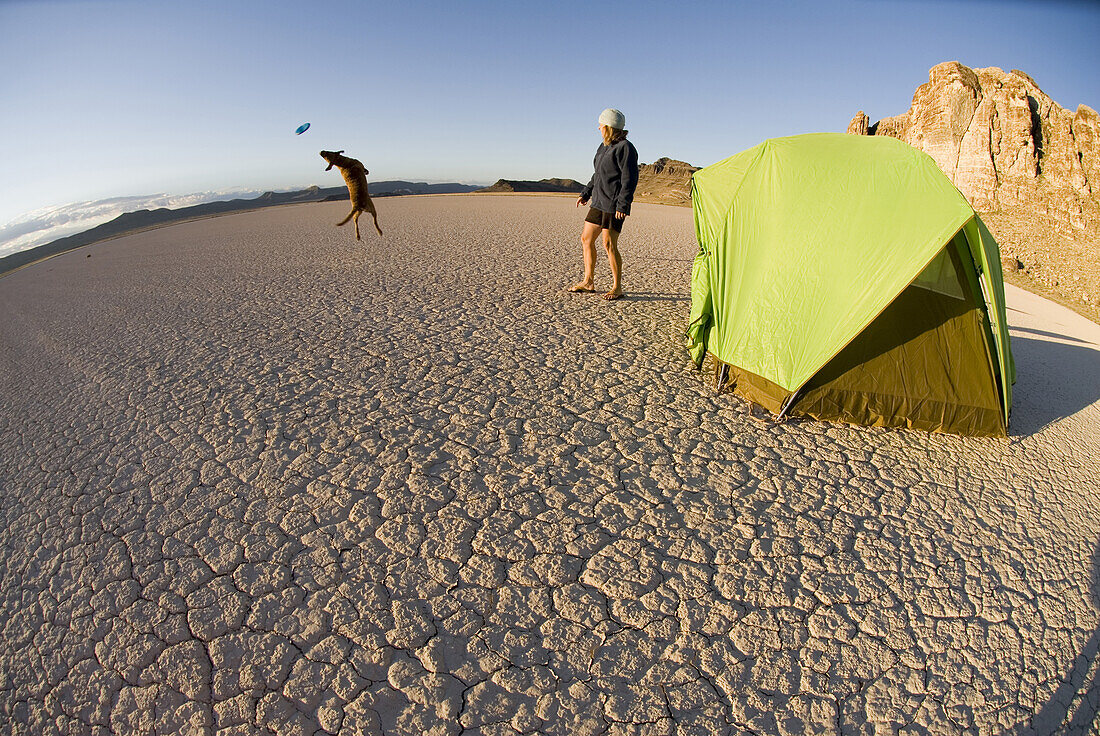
(613, 295)
(581, 287)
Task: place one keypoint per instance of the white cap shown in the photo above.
(612, 118)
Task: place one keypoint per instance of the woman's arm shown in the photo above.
(628, 167)
(586, 194)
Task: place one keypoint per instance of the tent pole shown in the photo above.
(723, 373)
(786, 406)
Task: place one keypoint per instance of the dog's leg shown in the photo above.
(355, 219)
(374, 214)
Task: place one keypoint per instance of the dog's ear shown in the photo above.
(340, 151)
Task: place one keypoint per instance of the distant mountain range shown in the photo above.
(144, 219)
(665, 181)
(405, 188)
(543, 185)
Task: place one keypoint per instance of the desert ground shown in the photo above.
(256, 476)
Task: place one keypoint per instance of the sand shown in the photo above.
(257, 476)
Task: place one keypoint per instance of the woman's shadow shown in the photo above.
(1076, 703)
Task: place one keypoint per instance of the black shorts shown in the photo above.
(606, 220)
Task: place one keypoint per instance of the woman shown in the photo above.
(611, 191)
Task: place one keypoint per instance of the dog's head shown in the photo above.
(332, 157)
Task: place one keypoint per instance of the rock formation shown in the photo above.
(1030, 166)
(859, 124)
(665, 181)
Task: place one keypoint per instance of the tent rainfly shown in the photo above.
(845, 278)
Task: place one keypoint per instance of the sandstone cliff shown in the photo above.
(1031, 167)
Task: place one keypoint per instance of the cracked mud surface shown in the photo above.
(255, 476)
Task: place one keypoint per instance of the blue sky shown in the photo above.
(114, 99)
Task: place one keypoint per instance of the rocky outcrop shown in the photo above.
(1029, 165)
(665, 181)
(859, 124)
(1002, 141)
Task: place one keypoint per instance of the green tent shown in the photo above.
(845, 278)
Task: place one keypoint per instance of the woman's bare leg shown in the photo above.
(611, 245)
(588, 252)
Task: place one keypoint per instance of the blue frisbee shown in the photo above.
(302, 128)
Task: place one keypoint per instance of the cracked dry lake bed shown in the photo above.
(257, 477)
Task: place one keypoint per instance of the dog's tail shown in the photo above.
(350, 215)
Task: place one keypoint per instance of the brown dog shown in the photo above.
(355, 176)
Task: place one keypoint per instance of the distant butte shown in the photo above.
(665, 181)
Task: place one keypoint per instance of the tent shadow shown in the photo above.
(1055, 335)
(655, 296)
(1053, 381)
(1075, 705)
(664, 259)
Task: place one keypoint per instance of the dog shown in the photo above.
(355, 176)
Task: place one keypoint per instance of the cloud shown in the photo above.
(50, 223)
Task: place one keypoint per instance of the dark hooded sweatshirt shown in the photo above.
(611, 188)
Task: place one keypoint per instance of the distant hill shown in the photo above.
(543, 185)
(144, 219)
